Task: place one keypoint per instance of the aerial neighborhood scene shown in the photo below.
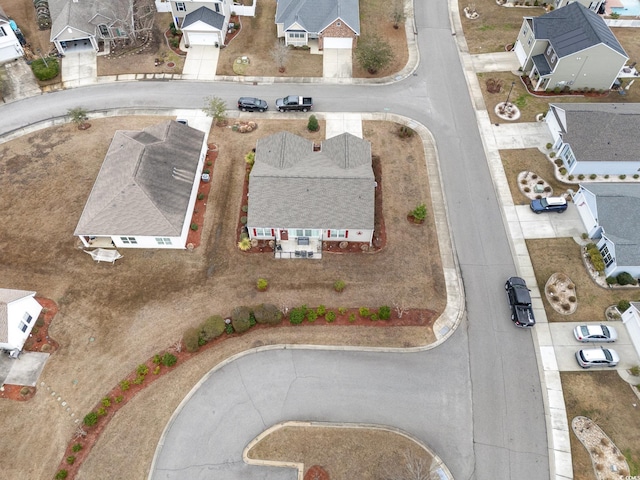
(320, 239)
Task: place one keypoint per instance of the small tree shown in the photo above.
(78, 116)
(420, 212)
(313, 125)
(216, 108)
(280, 55)
(398, 13)
(373, 53)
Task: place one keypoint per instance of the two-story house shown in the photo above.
(570, 47)
(203, 22)
(10, 47)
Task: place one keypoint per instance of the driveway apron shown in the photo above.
(201, 62)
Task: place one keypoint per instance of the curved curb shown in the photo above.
(437, 465)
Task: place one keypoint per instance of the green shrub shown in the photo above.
(611, 280)
(563, 171)
(71, 459)
(420, 212)
(313, 125)
(312, 316)
(635, 370)
(45, 71)
(384, 312)
(549, 145)
(213, 327)
(330, 316)
(606, 176)
(268, 314)
(342, 310)
(169, 359)
(250, 158)
(201, 196)
(138, 380)
(245, 208)
(119, 399)
(593, 176)
(252, 319)
(262, 284)
(125, 385)
(90, 419)
(142, 369)
(101, 411)
(174, 42)
(622, 177)
(552, 155)
(338, 285)
(636, 176)
(570, 177)
(156, 370)
(296, 316)
(558, 162)
(194, 226)
(106, 402)
(405, 132)
(581, 177)
(352, 317)
(626, 278)
(76, 448)
(241, 319)
(623, 305)
(61, 474)
(156, 359)
(228, 329)
(614, 15)
(374, 317)
(321, 310)
(364, 312)
(596, 258)
(190, 339)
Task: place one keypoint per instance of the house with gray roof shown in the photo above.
(10, 47)
(144, 194)
(569, 48)
(332, 23)
(631, 320)
(203, 22)
(600, 138)
(83, 25)
(610, 213)
(302, 194)
(19, 311)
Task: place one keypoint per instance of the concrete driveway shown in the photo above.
(337, 63)
(23, 371)
(79, 68)
(201, 62)
(21, 81)
(549, 225)
(565, 346)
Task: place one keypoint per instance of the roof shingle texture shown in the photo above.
(145, 182)
(7, 296)
(291, 186)
(602, 131)
(205, 15)
(79, 15)
(618, 206)
(573, 28)
(316, 15)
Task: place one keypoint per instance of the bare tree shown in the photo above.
(397, 13)
(411, 467)
(280, 55)
(400, 309)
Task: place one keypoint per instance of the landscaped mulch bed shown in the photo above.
(200, 208)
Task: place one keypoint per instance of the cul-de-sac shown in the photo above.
(320, 239)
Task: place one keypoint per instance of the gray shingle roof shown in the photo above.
(7, 296)
(206, 15)
(67, 13)
(602, 131)
(316, 15)
(291, 186)
(573, 28)
(145, 182)
(618, 206)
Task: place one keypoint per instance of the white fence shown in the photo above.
(245, 11)
(163, 6)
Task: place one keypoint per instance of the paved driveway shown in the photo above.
(79, 68)
(549, 225)
(201, 62)
(337, 63)
(24, 370)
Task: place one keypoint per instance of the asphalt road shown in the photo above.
(481, 385)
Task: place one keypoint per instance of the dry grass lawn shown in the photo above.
(529, 160)
(563, 255)
(609, 401)
(337, 447)
(144, 302)
(24, 14)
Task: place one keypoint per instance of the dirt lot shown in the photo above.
(114, 316)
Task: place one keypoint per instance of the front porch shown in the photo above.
(97, 242)
(295, 248)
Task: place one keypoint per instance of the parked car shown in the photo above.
(595, 333)
(597, 357)
(294, 102)
(549, 204)
(520, 302)
(251, 104)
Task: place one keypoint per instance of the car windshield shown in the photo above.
(584, 330)
(544, 203)
(607, 355)
(605, 331)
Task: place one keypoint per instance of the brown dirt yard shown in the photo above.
(112, 317)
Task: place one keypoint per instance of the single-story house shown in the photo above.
(610, 213)
(631, 320)
(19, 311)
(203, 22)
(10, 47)
(302, 194)
(571, 47)
(333, 23)
(600, 138)
(146, 189)
(81, 25)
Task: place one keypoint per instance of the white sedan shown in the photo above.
(595, 333)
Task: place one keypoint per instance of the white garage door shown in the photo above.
(334, 42)
(203, 38)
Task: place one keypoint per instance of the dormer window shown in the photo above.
(549, 50)
(104, 31)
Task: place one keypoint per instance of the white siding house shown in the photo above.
(600, 138)
(631, 320)
(610, 213)
(10, 47)
(146, 189)
(301, 194)
(203, 22)
(19, 311)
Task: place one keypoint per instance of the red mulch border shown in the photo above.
(38, 341)
(200, 208)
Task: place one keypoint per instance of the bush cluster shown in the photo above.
(45, 71)
(626, 278)
(623, 306)
(267, 314)
(241, 319)
(297, 315)
(313, 125)
(384, 312)
(596, 257)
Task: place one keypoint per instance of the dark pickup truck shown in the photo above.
(294, 102)
(520, 302)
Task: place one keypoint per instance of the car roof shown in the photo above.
(594, 354)
(556, 201)
(247, 99)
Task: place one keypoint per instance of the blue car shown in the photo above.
(549, 204)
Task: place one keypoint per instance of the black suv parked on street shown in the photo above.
(251, 104)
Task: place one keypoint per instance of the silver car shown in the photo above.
(595, 333)
(597, 357)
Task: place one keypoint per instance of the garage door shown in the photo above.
(334, 42)
(203, 38)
